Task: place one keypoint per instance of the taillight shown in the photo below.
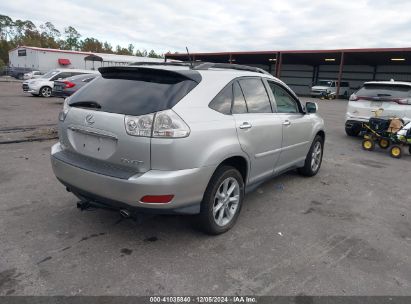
(164, 124)
(403, 101)
(157, 199)
(69, 84)
(354, 97)
(64, 112)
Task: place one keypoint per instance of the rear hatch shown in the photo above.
(93, 133)
(388, 97)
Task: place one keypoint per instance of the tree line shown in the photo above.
(18, 32)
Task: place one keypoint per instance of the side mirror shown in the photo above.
(311, 107)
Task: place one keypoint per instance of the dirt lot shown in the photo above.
(346, 231)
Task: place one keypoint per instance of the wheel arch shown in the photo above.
(238, 162)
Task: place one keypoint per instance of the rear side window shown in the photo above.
(135, 92)
(384, 90)
(62, 75)
(239, 105)
(222, 102)
(255, 95)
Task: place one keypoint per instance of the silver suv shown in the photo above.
(180, 139)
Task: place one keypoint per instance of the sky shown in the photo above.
(219, 25)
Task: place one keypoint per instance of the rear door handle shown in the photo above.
(287, 123)
(245, 125)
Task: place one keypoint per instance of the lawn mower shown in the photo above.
(388, 132)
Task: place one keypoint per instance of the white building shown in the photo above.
(43, 59)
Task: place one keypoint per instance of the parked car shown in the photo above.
(66, 87)
(43, 86)
(329, 87)
(388, 98)
(175, 139)
(32, 75)
(18, 72)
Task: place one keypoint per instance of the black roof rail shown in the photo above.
(161, 63)
(210, 65)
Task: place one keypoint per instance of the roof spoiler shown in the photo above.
(147, 71)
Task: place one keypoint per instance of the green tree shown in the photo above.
(107, 48)
(6, 24)
(72, 41)
(91, 45)
(2, 64)
(130, 49)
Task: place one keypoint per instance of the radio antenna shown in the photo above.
(189, 58)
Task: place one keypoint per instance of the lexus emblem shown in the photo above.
(90, 119)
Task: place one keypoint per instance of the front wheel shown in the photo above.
(45, 92)
(222, 201)
(314, 158)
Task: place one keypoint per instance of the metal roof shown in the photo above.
(366, 56)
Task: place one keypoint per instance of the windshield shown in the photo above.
(49, 74)
(385, 90)
(324, 83)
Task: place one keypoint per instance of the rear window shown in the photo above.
(385, 90)
(135, 92)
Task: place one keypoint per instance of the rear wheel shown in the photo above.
(384, 143)
(222, 201)
(45, 91)
(396, 151)
(314, 158)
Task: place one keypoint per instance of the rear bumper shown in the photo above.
(187, 186)
(354, 125)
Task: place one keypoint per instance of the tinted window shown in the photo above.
(285, 103)
(239, 105)
(135, 92)
(384, 90)
(62, 75)
(255, 95)
(222, 102)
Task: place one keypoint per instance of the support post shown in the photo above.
(278, 67)
(340, 74)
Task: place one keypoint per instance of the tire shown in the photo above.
(368, 144)
(214, 220)
(352, 132)
(396, 151)
(20, 76)
(384, 143)
(45, 92)
(314, 158)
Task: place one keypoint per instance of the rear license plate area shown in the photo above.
(376, 103)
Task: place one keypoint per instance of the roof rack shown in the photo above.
(210, 65)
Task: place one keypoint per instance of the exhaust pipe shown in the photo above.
(125, 213)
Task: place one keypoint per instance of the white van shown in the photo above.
(329, 87)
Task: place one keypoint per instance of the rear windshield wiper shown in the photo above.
(384, 95)
(86, 104)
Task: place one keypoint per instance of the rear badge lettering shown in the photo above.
(131, 162)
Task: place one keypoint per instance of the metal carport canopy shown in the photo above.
(341, 57)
